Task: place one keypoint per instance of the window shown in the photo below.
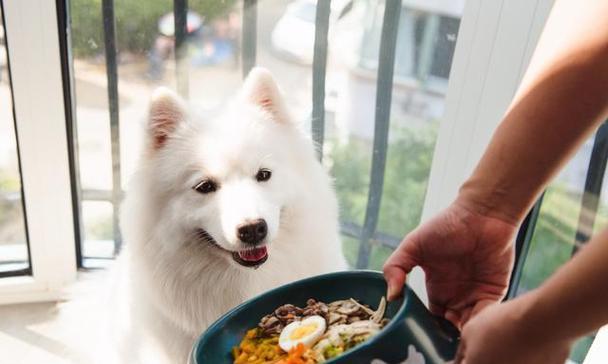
(573, 208)
(108, 144)
(425, 45)
(285, 45)
(14, 255)
(415, 114)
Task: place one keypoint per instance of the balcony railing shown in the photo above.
(367, 234)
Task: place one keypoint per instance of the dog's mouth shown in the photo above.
(252, 257)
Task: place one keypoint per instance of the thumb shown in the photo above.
(479, 306)
(395, 278)
(459, 359)
(398, 265)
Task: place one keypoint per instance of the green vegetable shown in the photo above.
(332, 351)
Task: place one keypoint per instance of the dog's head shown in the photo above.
(226, 181)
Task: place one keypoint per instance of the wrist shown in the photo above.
(540, 320)
(491, 201)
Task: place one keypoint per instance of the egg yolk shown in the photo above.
(302, 331)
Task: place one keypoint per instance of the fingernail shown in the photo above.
(390, 295)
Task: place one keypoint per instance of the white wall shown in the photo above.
(495, 43)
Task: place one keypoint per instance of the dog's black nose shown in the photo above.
(252, 232)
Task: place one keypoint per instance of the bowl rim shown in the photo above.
(358, 272)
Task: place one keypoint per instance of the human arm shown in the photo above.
(541, 325)
(466, 251)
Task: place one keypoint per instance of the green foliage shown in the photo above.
(136, 22)
(407, 171)
(407, 168)
(552, 245)
(9, 182)
(100, 228)
(553, 239)
(378, 256)
(350, 248)
(11, 212)
(408, 164)
(580, 348)
(350, 168)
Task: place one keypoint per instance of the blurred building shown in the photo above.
(425, 46)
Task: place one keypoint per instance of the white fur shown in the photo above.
(170, 286)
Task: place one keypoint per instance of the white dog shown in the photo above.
(219, 211)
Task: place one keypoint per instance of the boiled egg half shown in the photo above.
(306, 332)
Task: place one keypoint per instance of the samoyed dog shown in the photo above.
(218, 211)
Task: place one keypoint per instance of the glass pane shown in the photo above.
(425, 45)
(144, 44)
(285, 45)
(14, 256)
(98, 233)
(553, 239)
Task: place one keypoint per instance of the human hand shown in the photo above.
(502, 334)
(467, 258)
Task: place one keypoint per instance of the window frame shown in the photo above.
(27, 270)
(40, 118)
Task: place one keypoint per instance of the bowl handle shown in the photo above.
(435, 336)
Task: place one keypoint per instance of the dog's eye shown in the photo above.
(206, 186)
(263, 175)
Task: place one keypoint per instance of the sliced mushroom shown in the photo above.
(346, 307)
(333, 318)
(368, 310)
(378, 315)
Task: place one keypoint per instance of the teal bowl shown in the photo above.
(411, 327)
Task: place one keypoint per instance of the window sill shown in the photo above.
(26, 289)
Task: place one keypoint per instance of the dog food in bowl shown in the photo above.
(309, 335)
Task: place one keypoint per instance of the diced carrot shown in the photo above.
(295, 356)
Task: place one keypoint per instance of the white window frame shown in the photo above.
(35, 66)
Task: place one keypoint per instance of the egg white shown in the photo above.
(287, 343)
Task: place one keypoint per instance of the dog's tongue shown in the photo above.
(253, 255)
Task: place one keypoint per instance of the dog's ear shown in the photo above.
(167, 110)
(261, 89)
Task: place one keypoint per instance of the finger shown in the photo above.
(437, 310)
(398, 265)
(395, 278)
(459, 359)
(454, 317)
(466, 315)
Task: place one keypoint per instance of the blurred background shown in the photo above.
(285, 42)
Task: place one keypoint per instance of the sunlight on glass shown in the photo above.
(426, 39)
(13, 240)
(145, 42)
(552, 243)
